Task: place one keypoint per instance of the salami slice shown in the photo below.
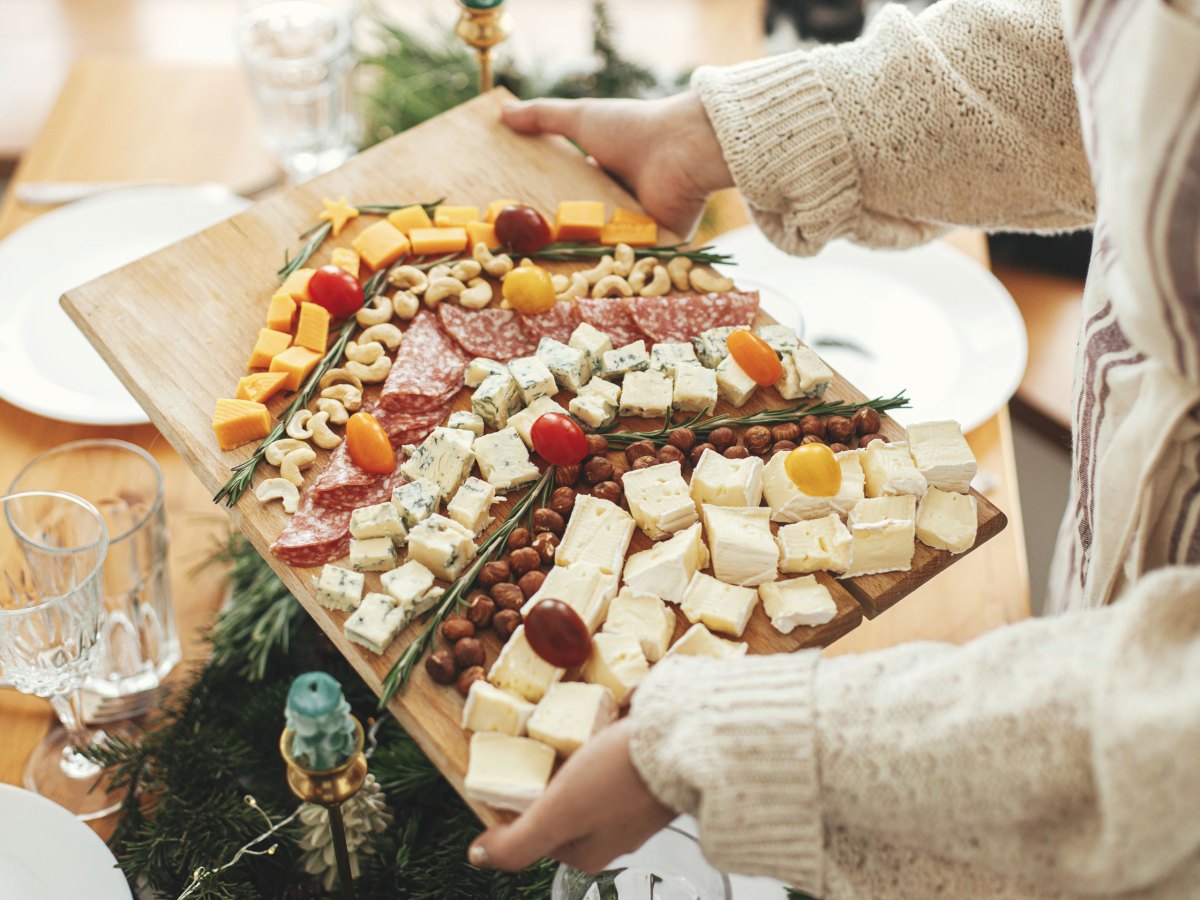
(682, 316)
(428, 368)
(343, 485)
(557, 323)
(495, 333)
(314, 536)
(611, 315)
(405, 427)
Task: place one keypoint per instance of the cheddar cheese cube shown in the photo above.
(579, 220)
(346, 259)
(622, 216)
(481, 232)
(297, 362)
(635, 234)
(312, 331)
(281, 313)
(410, 217)
(493, 209)
(261, 386)
(452, 216)
(380, 245)
(437, 241)
(296, 285)
(269, 345)
(237, 422)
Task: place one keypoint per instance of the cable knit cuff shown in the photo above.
(786, 148)
(733, 743)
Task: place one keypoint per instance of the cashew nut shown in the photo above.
(388, 335)
(601, 270)
(477, 295)
(365, 353)
(406, 304)
(659, 284)
(624, 261)
(298, 425)
(576, 288)
(379, 311)
(465, 269)
(334, 410)
(277, 450)
(322, 436)
(339, 376)
(705, 280)
(610, 286)
(291, 456)
(439, 271)
(642, 270)
(279, 489)
(374, 373)
(677, 268)
(441, 289)
(497, 266)
(408, 278)
(560, 283)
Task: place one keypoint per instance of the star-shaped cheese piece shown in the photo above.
(337, 214)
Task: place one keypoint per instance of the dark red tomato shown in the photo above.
(523, 229)
(557, 634)
(558, 439)
(337, 290)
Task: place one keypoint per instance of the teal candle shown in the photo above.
(319, 717)
(481, 4)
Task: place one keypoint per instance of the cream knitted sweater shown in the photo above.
(1060, 756)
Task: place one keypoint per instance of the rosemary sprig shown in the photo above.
(382, 209)
(315, 236)
(575, 251)
(704, 427)
(397, 677)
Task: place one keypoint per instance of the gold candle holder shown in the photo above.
(330, 788)
(482, 27)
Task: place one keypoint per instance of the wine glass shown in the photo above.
(52, 549)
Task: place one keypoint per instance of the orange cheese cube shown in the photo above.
(579, 220)
(627, 216)
(269, 345)
(261, 386)
(281, 312)
(481, 231)
(296, 285)
(635, 234)
(296, 362)
(312, 331)
(438, 241)
(237, 422)
(493, 209)
(346, 259)
(380, 245)
(408, 218)
(450, 216)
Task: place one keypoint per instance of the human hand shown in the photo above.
(665, 151)
(595, 808)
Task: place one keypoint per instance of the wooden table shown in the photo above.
(988, 589)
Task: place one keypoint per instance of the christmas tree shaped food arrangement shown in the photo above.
(319, 718)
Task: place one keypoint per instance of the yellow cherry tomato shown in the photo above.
(528, 289)
(755, 356)
(368, 444)
(814, 469)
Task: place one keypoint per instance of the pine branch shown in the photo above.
(576, 251)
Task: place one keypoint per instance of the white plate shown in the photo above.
(46, 365)
(929, 321)
(48, 854)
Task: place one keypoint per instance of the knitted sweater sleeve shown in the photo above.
(1065, 751)
(962, 116)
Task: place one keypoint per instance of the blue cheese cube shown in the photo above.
(411, 587)
(468, 421)
(533, 378)
(504, 460)
(695, 389)
(445, 458)
(416, 500)
(647, 394)
(339, 588)
(480, 368)
(710, 345)
(734, 386)
(570, 366)
(497, 398)
(779, 338)
(596, 404)
(443, 546)
(471, 506)
(523, 421)
(372, 554)
(668, 357)
(379, 520)
(804, 374)
(593, 343)
(630, 358)
(376, 623)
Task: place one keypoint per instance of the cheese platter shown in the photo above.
(470, 455)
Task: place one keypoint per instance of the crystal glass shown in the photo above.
(52, 549)
(139, 641)
(299, 58)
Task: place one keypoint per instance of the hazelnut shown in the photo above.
(531, 582)
(867, 438)
(698, 451)
(838, 448)
(866, 421)
(506, 622)
(480, 609)
(518, 538)
(611, 490)
(597, 469)
(670, 453)
(786, 431)
(468, 652)
(736, 452)
(638, 449)
(683, 438)
(441, 666)
(566, 476)
(562, 501)
(525, 560)
(812, 425)
(758, 438)
(545, 544)
(597, 444)
(643, 462)
(469, 677)
(811, 439)
(545, 519)
(838, 428)
(455, 628)
(782, 447)
(722, 438)
(494, 573)
(507, 596)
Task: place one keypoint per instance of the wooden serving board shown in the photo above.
(177, 327)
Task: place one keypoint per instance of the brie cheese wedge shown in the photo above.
(570, 713)
(598, 532)
(734, 386)
(646, 617)
(658, 499)
(722, 607)
(797, 601)
(814, 545)
(507, 772)
(790, 504)
(727, 482)
(665, 569)
(582, 586)
(942, 455)
(741, 544)
(947, 520)
(520, 670)
(882, 534)
(490, 709)
(695, 389)
(699, 641)
(890, 470)
(646, 394)
(617, 662)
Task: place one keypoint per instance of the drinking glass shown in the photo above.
(139, 641)
(299, 58)
(52, 549)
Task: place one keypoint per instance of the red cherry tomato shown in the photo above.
(557, 634)
(755, 356)
(558, 439)
(337, 290)
(368, 444)
(523, 229)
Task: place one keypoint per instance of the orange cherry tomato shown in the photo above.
(755, 356)
(814, 469)
(368, 444)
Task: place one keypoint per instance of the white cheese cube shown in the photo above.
(582, 586)
(497, 398)
(570, 366)
(507, 772)
(339, 588)
(504, 461)
(468, 421)
(658, 499)
(416, 500)
(617, 662)
(666, 569)
(779, 338)
(533, 378)
(372, 554)
(668, 357)
(376, 622)
(471, 506)
(740, 541)
(630, 358)
(882, 532)
(520, 670)
(722, 607)
(710, 345)
(790, 504)
(804, 374)
(598, 532)
(814, 545)
(480, 368)
(947, 520)
(797, 601)
(890, 470)
(408, 585)
(727, 482)
(592, 342)
(695, 389)
(644, 616)
(523, 421)
(699, 641)
(380, 520)
(570, 713)
(942, 455)
(445, 458)
(490, 709)
(646, 394)
(734, 386)
(596, 404)
(442, 545)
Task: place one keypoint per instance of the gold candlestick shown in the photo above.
(330, 788)
(482, 25)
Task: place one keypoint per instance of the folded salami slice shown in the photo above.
(679, 317)
(428, 368)
(495, 333)
(612, 316)
(343, 485)
(558, 323)
(314, 536)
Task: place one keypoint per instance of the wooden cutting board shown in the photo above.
(177, 327)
